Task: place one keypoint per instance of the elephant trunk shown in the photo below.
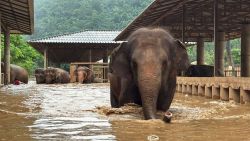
(149, 86)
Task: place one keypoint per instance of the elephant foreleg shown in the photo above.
(115, 89)
(166, 95)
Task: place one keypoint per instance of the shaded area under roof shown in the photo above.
(17, 15)
(199, 18)
(76, 47)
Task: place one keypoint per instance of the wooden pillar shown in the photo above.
(245, 51)
(200, 51)
(0, 49)
(7, 56)
(90, 59)
(183, 23)
(219, 54)
(46, 57)
(105, 70)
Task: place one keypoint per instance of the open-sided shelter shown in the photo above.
(16, 17)
(85, 46)
(199, 21)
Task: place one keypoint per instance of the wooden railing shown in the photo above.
(231, 72)
(100, 70)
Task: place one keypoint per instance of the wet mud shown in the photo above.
(83, 112)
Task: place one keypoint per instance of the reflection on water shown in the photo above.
(82, 112)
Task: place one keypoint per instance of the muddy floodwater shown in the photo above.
(82, 112)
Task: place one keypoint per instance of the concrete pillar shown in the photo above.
(7, 56)
(194, 89)
(46, 57)
(234, 95)
(183, 89)
(179, 88)
(244, 96)
(189, 89)
(201, 90)
(215, 92)
(224, 94)
(208, 91)
(200, 51)
(245, 51)
(219, 54)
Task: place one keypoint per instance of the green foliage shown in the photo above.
(209, 52)
(53, 17)
(23, 54)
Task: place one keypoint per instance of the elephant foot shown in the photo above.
(167, 117)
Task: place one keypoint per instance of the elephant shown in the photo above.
(56, 75)
(200, 71)
(17, 73)
(181, 58)
(84, 75)
(143, 70)
(40, 75)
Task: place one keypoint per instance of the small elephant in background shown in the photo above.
(200, 71)
(17, 73)
(40, 75)
(84, 75)
(56, 75)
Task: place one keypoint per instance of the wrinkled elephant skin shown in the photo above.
(40, 75)
(56, 75)
(143, 70)
(84, 75)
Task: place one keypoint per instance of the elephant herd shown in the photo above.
(53, 75)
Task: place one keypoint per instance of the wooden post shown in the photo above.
(183, 23)
(7, 56)
(90, 60)
(105, 70)
(200, 51)
(45, 55)
(73, 68)
(245, 51)
(0, 50)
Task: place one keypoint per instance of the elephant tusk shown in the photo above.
(167, 117)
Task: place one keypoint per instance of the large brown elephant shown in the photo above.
(17, 73)
(40, 76)
(56, 75)
(84, 75)
(143, 70)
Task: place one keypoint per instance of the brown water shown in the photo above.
(82, 112)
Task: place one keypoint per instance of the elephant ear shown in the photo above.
(119, 60)
(182, 60)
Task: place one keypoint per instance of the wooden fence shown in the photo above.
(231, 72)
(100, 70)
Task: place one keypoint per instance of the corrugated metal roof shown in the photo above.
(197, 16)
(82, 37)
(17, 15)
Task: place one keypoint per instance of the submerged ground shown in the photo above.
(82, 112)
